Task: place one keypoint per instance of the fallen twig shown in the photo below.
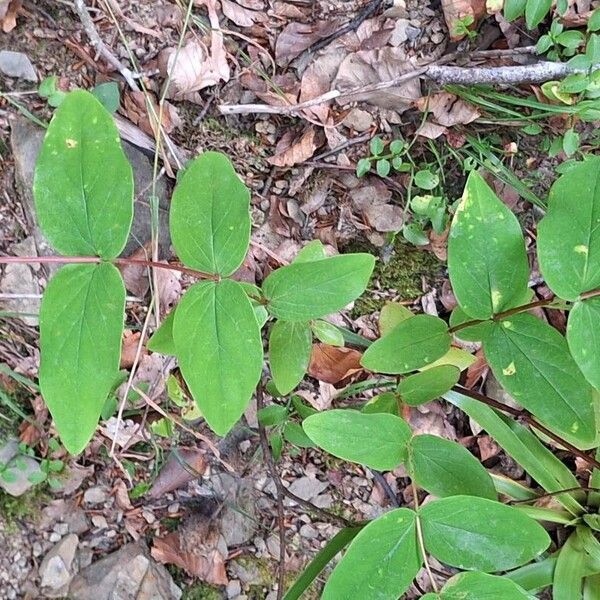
(101, 48)
(438, 71)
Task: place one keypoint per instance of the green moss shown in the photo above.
(401, 276)
(24, 508)
(202, 591)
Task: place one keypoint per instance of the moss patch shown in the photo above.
(24, 508)
(401, 276)
(202, 591)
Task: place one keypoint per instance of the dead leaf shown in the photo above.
(456, 10)
(182, 466)
(136, 109)
(136, 276)
(448, 109)
(476, 371)
(430, 419)
(76, 475)
(331, 364)
(487, 447)
(438, 242)
(298, 151)
(241, 16)
(385, 217)
(129, 348)
(121, 495)
(30, 433)
(127, 433)
(9, 9)
(368, 67)
(431, 131)
(297, 37)
(169, 288)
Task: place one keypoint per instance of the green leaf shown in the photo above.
(276, 443)
(384, 403)
(468, 532)
(414, 233)
(544, 44)
(593, 23)
(536, 11)
(412, 344)
(350, 435)
(461, 359)
(383, 167)
(428, 385)
(302, 408)
(396, 146)
(486, 253)
(472, 333)
(445, 468)
(290, 345)
(568, 573)
(210, 215)
(571, 39)
(335, 545)
(381, 561)
(108, 95)
(481, 586)
(524, 447)
(513, 9)
(294, 434)
(272, 415)
(309, 290)
(81, 324)
(570, 142)
(363, 166)
(391, 315)
(83, 184)
(592, 50)
(219, 348)
(583, 337)
(531, 360)
(377, 146)
(426, 180)
(314, 250)
(574, 84)
(162, 339)
(327, 333)
(569, 236)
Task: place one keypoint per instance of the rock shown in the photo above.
(385, 217)
(308, 488)
(99, 521)
(358, 119)
(308, 532)
(234, 588)
(128, 574)
(18, 65)
(94, 495)
(77, 521)
(58, 567)
(19, 470)
(26, 140)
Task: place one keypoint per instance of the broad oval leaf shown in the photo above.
(162, 339)
(480, 534)
(83, 184)
(487, 260)
(531, 361)
(380, 563)
(481, 586)
(210, 215)
(383, 403)
(583, 337)
(219, 348)
(309, 290)
(536, 11)
(568, 574)
(430, 384)
(81, 325)
(412, 344)
(290, 345)
(445, 468)
(392, 314)
(569, 236)
(376, 440)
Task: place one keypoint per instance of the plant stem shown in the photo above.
(526, 417)
(96, 260)
(420, 538)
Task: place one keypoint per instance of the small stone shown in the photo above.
(94, 495)
(111, 534)
(437, 38)
(308, 487)
(55, 537)
(173, 508)
(77, 521)
(17, 64)
(99, 521)
(308, 532)
(148, 517)
(57, 568)
(36, 549)
(61, 528)
(358, 119)
(234, 588)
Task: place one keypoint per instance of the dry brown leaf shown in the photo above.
(9, 10)
(448, 109)
(368, 67)
(438, 242)
(297, 152)
(455, 10)
(182, 466)
(385, 217)
(297, 37)
(331, 364)
(136, 110)
(30, 433)
(431, 131)
(476, 371)
(124, 434)
(240, 15)
(487, 447)
(136, 276)
(430, 419)
(121, 495)
(129, 347)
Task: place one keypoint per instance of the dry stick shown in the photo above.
(523, 415)
(101, 48)
(264, 442)
(437, 71)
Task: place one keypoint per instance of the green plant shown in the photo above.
(462, 27)
(83, 190)
(554, 379)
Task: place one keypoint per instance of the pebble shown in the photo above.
(99, 521)
(94, 495)
(234, 588)
(173, 508)
(308, 532)
(61, 528)
(55, 537)
(17, 64)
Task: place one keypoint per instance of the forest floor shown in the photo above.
(179, 496)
